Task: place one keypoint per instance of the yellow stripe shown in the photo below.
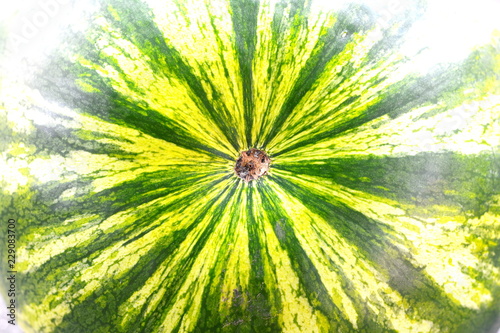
(188, 300)
(322, 244)
(178, 220)
(442, 248)
(468, 129)
(162, 92)
(273, 90)
(116, 260)
(296, 313)
(202, 32)
(238, 266)
(319, 109)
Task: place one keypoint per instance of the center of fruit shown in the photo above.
(252, 164)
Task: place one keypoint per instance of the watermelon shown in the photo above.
(369, 200)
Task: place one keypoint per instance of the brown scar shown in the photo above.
(252, 164)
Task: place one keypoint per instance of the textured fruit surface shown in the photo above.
(252, 164)
(380, 213)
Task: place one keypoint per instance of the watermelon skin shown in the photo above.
(381, 212)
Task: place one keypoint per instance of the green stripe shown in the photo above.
(109, 105)
(467, 183)
(310, 280)
(354, 19)
(380, 212)
(244, 17)
(446, 84)
(166, 59)
(375, 243)
(103, 206)
(264, 315)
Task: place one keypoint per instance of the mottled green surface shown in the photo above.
(381, 212)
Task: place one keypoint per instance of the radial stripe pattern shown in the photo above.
(381, 211)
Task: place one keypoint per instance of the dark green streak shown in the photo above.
(393, 37)
(136, 23)
(353, 20)
(425, 298)
(104, 204)
(445, 84)
(308, 276)
(467, 182)
(89, 312)
(110, 106)
(263, 318)
(398, 99)
(218, 100)
(281, 26)
(185, 266)
(244, 17)
(250, 310)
